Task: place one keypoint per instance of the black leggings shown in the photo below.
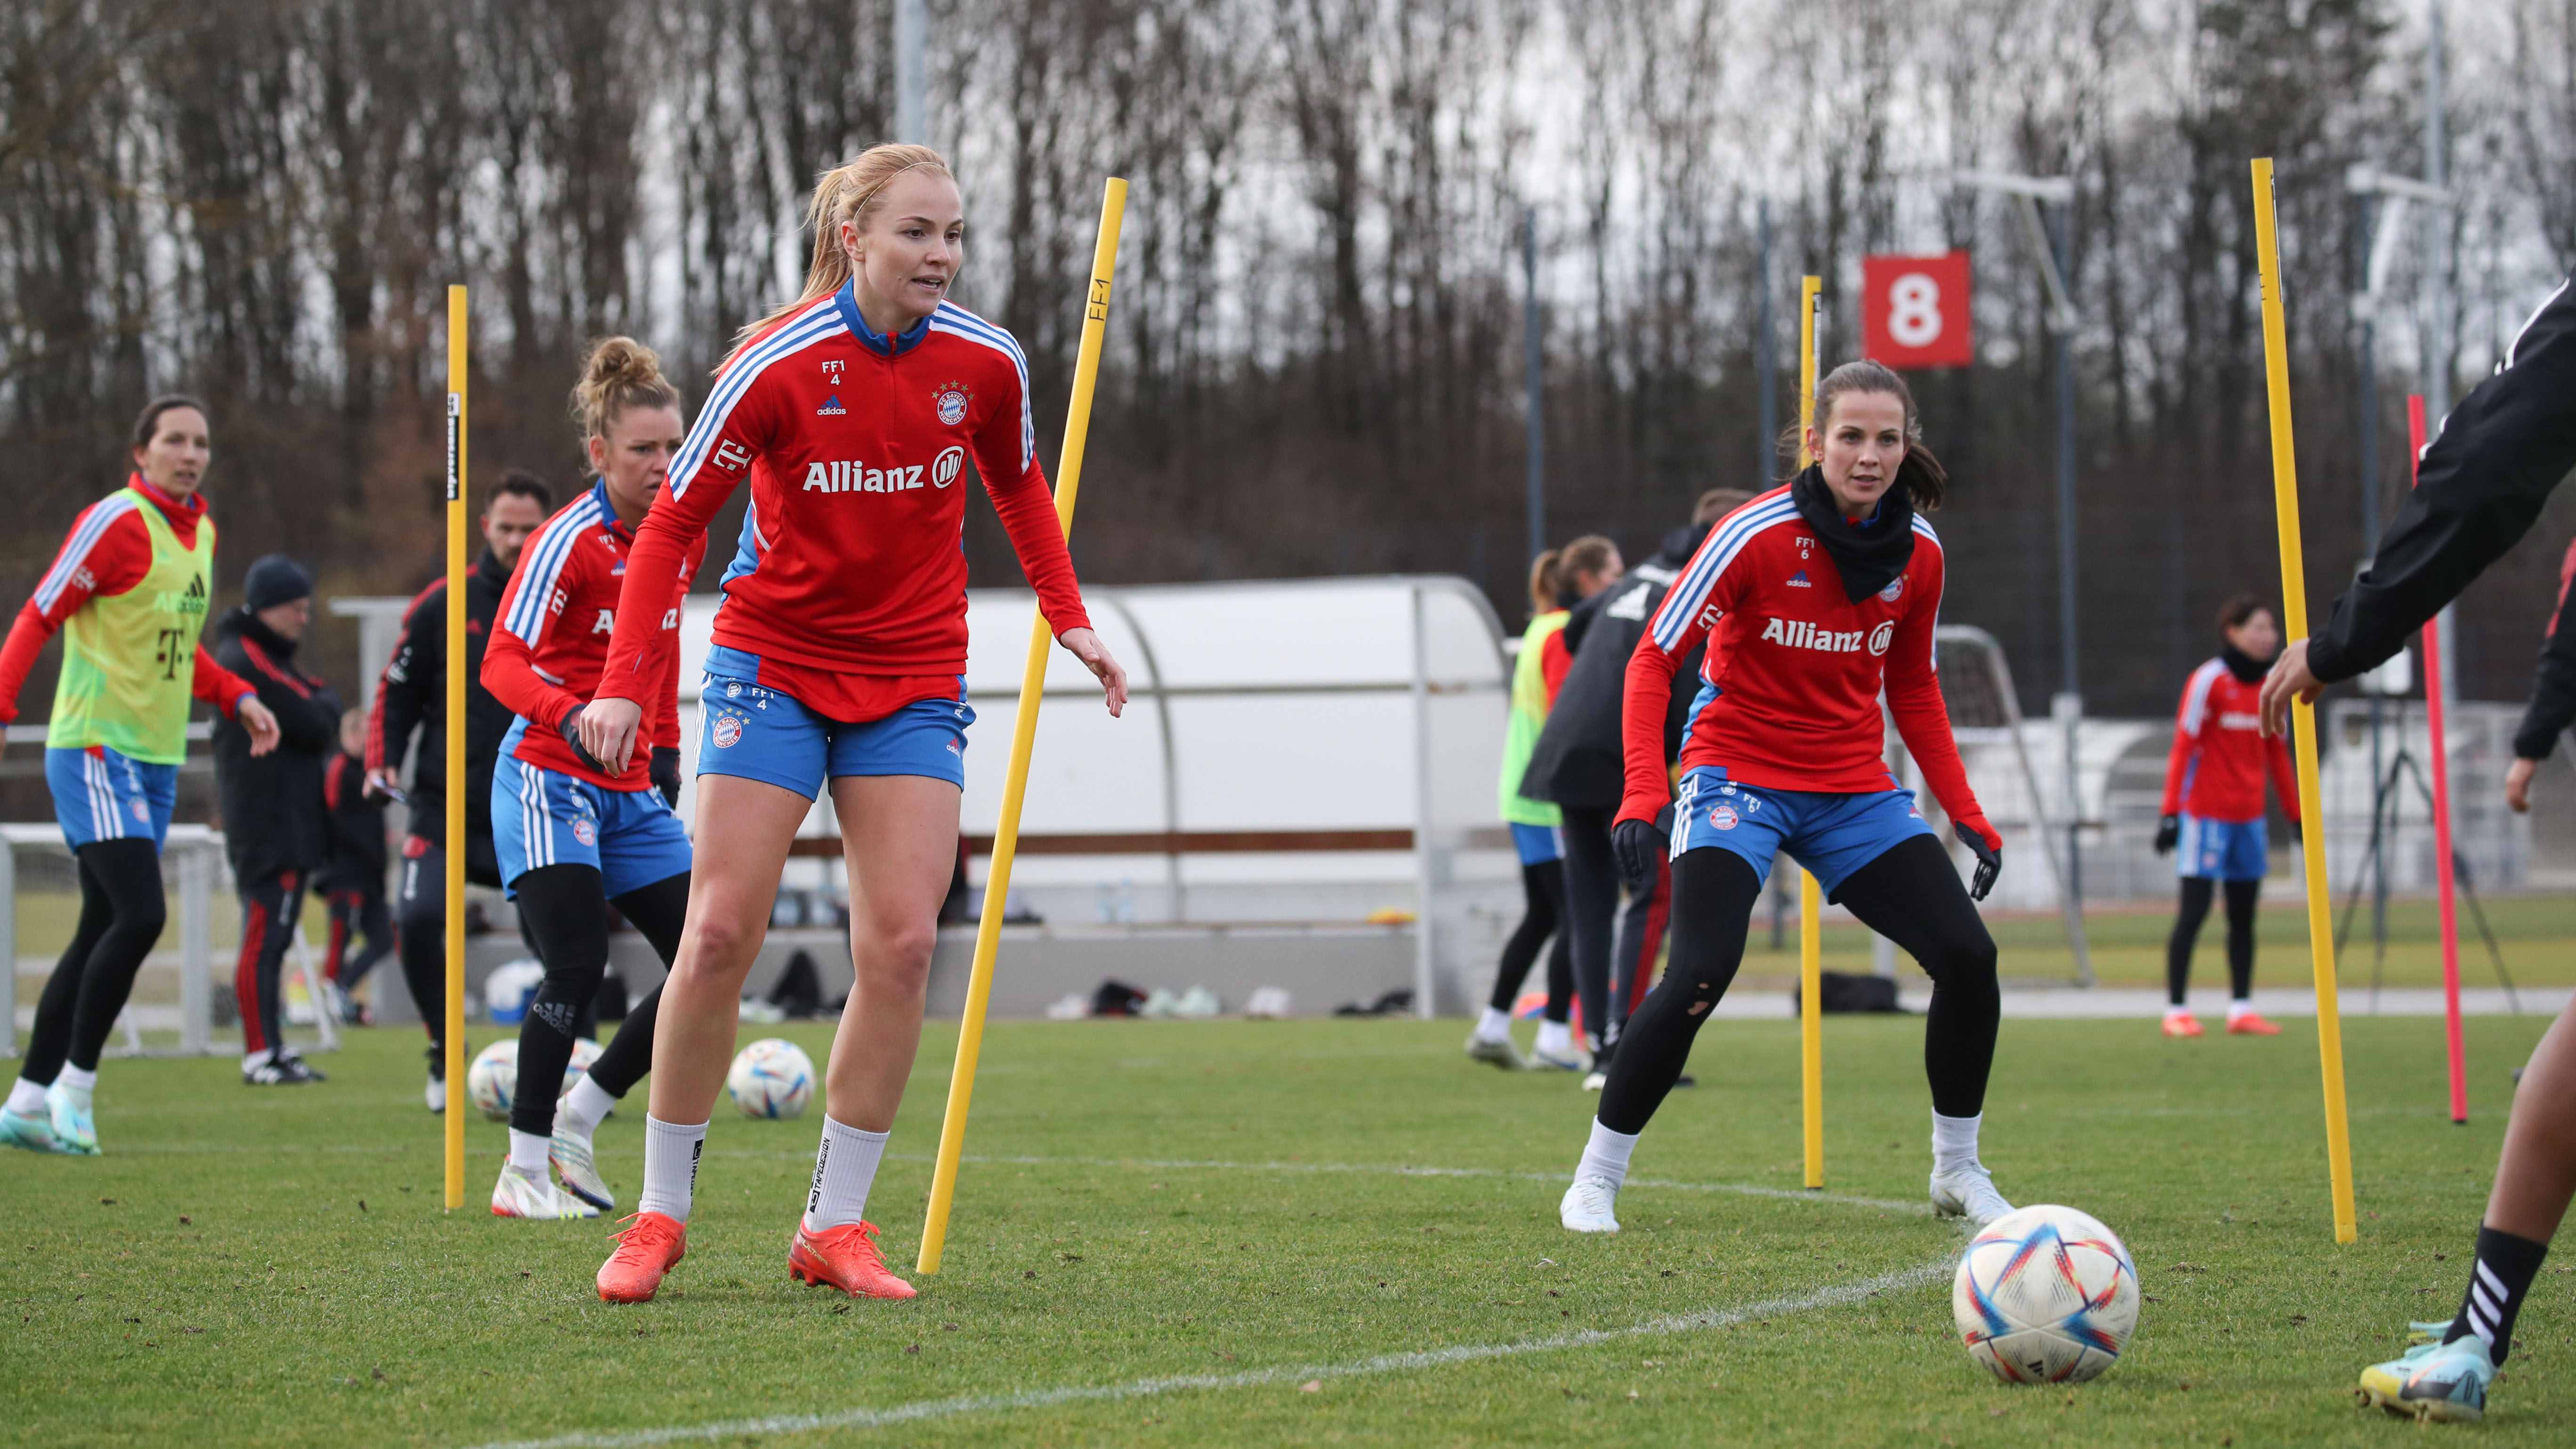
(1909, 894)
(357, 913)
(563, 908)
(2241, 895)
(122, 912)
(1543, 889)
(1591, 909)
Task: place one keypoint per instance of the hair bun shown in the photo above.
(618, 373)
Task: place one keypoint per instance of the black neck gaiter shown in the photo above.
(1868, 556)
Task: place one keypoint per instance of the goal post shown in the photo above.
(1977, 689)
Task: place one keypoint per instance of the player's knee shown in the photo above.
(144, 920)
(896, 959)
(723, 941)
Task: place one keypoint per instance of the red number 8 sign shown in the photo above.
(1914, 311)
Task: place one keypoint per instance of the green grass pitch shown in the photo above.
(1323, 1231)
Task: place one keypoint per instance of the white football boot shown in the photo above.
(570, 1152)
(1587, 1207)
(1968, 1192)
(519, 1196)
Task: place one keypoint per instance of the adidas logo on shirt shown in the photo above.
(1798, 580)
(831, 407)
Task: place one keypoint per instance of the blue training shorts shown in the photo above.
(543, 817)
(761, 734)
(1832, 835)
(102, 795)
(2222, 849)
(1538, 844)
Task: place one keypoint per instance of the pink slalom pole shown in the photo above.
(2441, 809)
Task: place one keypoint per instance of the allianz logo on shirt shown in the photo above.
(853, 476)
(2237, 719)
(1800, 634)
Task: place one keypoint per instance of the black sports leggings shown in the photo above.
(2241, 896)
(1591, 908)
(1910, 894)
(122, 912)
(1543, 889)
(563, 908)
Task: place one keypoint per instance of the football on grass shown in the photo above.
(492, 1083)
(2045, 1295)
(771, 1078)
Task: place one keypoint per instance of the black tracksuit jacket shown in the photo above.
(1579, 759)
(2479, 489)
(272, 804)
(413, 697)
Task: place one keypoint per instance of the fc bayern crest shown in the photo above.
(952, 401)
(1894, 590)
(728, 730)
(582, 831)
(1723, 817)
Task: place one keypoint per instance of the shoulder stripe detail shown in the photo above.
(1732, 534)
(542, 564)
(958, 322)
(820, 320)
(86, 532)
(2195, 696)
(1924, 527)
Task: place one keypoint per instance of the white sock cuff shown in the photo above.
(528, 1152)
(72, 1076)
(1605, 1156)
(27, 1098)
(845, 1167)
(586, 1104)
(1494, 1025)
(1954, 1140)
(671, 1151)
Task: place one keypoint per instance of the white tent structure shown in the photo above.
(1295, 753)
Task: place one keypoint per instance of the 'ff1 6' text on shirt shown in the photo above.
(855, 444)
(1789, 691)
(552, 633)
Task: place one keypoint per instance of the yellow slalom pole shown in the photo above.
(457, 367)
(2303, 716)
(1024, 729)
(1811, 897)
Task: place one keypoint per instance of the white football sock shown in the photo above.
(1555, 1038)
(528, 1152)
(252, 1060)
(1954, 1142)
(77, 1084)
(845, 1165)
(26, 1098)
(585, 1106)
(670, 1166)
(1606, 1155)
(2237, 1010)
(2175, 1012)
(1494, 1025)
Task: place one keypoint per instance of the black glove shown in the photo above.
(2298, 833)
(666, 774)
(1990, 862)
(570, 729)
(1640, 849)
(2168, 831)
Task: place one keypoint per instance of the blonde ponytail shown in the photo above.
(843, 194)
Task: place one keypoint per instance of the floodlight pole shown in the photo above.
(912, 72)
(1766, 360)
(1536, 367)
(2054, 246)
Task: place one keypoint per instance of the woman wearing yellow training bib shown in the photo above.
(128, 593)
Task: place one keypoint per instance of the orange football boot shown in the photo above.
(846, 1258)
(2185, 1024)
(2251, 1025)
(652, 1247)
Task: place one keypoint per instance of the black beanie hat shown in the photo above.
(275, 579)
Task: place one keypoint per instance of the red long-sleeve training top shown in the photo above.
(855, 444)
(551, 636)
(1789, 690)
(2219, 752)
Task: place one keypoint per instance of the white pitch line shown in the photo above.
(1707, 1318)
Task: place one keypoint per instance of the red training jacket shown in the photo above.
(552, 634)
(2220, 754)
(1789, 691)
(855, 444)
(108, 552)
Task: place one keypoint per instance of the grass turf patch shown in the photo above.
(1258, 1206)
